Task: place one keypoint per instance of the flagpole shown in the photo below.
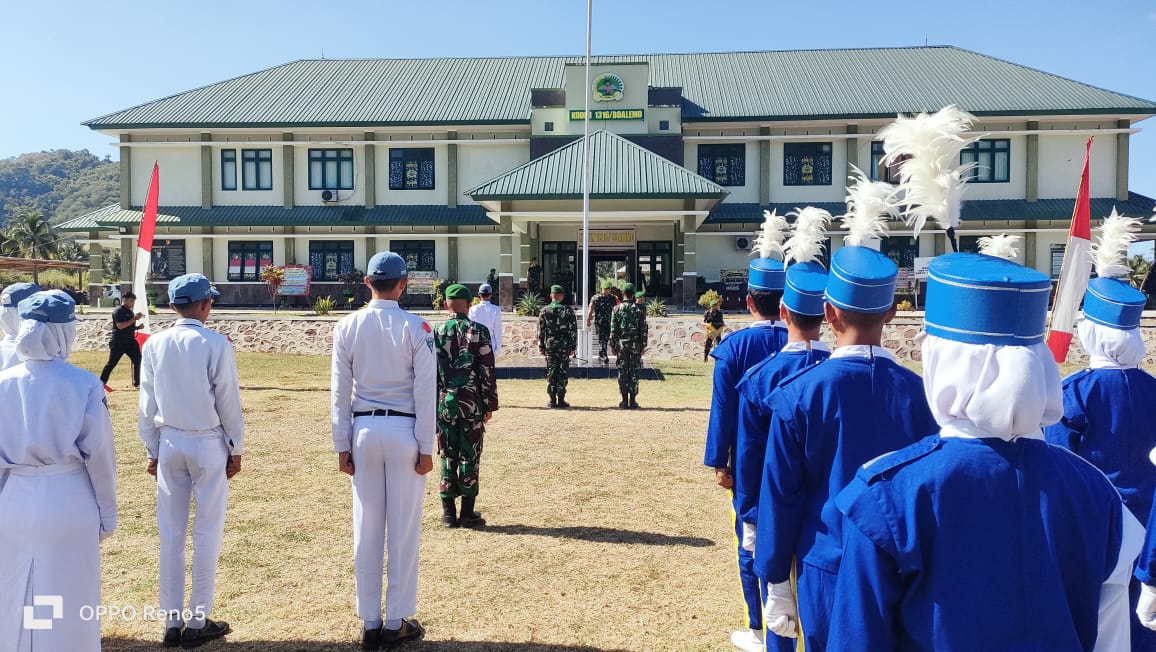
(584, 337)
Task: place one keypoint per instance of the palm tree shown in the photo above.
(32, 235)
(67, 249)
(1138, 267)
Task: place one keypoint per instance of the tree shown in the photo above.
(1138, 268)
(32, 235)
(68, 249)
(112, 264)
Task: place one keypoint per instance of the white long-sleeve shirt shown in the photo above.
(54, 413)
(490, 316)
(383, 359)
(188, 381)
(8, 357)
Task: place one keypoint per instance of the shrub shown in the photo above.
(323, 305)
(709, 297)
(439, 293)
(904, 305)
(656, 308)
(529, 305)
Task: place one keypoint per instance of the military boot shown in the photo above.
(634, 400)
(470, 518)
(553, 401)
(625, 402)
(449, 513)
(562, 400)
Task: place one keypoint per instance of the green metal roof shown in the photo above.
(408, 215)
(621, 170)
(779, 85)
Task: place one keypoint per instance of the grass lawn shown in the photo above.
(605, 531)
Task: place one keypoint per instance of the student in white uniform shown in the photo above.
(191, 425)
(489, 315)
(57, 486)
(10, 320)
(384, 389)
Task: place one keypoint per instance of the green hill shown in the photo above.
(62, 184)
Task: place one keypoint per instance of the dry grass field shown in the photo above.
(605, 531)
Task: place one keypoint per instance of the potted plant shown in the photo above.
(349, 283)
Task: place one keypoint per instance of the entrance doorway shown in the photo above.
(617, 265)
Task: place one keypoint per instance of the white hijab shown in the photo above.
(44, 341)
(10, 321)
(984, 390)
(1111, 348)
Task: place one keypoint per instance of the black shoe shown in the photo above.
(210, 632)
(470, 518)
(625, 402)
(410, 630)
(449, 513)
(371, 639)
(634, 402)
(172, 637)
(553, 401)
(561, 402)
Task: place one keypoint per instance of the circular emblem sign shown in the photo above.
(608, 88)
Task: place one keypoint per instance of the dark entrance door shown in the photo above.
(617, 265)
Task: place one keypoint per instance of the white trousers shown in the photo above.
(49, 560)
(190, 466)
(387, 497)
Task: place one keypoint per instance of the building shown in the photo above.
(468, 165)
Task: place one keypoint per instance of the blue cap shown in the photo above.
(386, 265)
(1113, 303)
(978, 299)
(485, 289)
(861, 280)
(190, 288)
(804, 287)
(52, 306)
(766, 274)
(17, 292)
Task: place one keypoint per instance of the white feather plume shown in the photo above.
(806, 242)
(1000, 246)
(931, 179)
(869, 205)
(769, 241)
(1110, 251)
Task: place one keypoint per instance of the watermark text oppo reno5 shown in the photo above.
(45, 610)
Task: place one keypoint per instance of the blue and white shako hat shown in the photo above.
(190, 288)
(17, 292)
(386, 265)
(50, 306)
(980, 299)
(805, 281)
(862, 279)
(767, 270)
(1110, 299)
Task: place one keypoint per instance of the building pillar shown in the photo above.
(506, 265)
(95, 268)
(206, 172)
(528, 249)
(287, 183)
(1030, 246)
(689, 262)
(370, 170)
(452, 253)
(1033, 159)
(290, 246)
(127, 258)
(764, 167)
(1122, 141)
(370, 243)
(125, 175)
(852, 149)
(207, 255)
(940, 244)
(452, 171)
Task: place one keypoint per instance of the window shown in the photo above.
(902, 251)
(331, 169)
(806, 164)
(329, 258)
(1057, 251)
(168, 259)
(257, 169)
(228, 169)
(968, 244)
(411, 169)
(654, 261)
(549, 126)
(418, 254)
(880, 172)
(992, 160)
(664, 125)
(248, 259)
(723, 164)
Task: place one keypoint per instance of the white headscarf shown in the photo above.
(984, 390)
(44, 341)
(10, 321)
(1111, 348)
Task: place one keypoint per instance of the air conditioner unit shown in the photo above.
(743, 243)
(329, 196)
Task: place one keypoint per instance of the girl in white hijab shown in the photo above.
(10, 320)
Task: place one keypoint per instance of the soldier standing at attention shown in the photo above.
(713, 318)
(628, 333)
(600, 308)
(557, 340)
(467, 398)
(534, 278)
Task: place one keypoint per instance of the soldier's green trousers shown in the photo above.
(629, 360)
(557, 371)
(460, 449)
(603, 338)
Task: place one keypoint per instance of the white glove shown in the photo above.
(1146, 607)
(780, 615)
(748, 542)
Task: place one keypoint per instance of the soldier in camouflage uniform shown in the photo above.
(628, 333)
(600, 308)
(557, 340)
(534, 278)
(467, 397)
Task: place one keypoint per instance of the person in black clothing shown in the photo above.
(122, 341)
(1148, 287)
(713, 318)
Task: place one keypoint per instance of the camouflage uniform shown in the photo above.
(534, 278)
(467, 390)
(557, 340)
(601, 307)
(628, 334)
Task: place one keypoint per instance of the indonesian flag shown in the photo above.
(1075, 272)
(144, 247)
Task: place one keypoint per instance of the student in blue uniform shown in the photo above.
(828, 419)
(1109, 413)
(733, 356)
(983, 536)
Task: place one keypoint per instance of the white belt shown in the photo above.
(46, 469)
(215, 431)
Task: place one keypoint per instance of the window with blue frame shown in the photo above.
(228, 169)
(331, 169)
(411, 168)
(992, 159)
(881, 172)
(418, 254)
(330, 258)
(257, 169)
(723, 164)
(806, 164)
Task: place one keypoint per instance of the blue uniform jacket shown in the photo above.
(734, 355)
(755, 423)
(975, 544)
(828, 419)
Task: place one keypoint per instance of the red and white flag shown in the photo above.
(1075, 272)
(144, 244)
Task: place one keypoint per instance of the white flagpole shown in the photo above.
(584, 334)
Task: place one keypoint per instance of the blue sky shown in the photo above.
(67, 62)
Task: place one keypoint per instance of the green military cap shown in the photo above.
(458, 291)
(557, 289)
(628, 289)
(639, 294)
(606, 285)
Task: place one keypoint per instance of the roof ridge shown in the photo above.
(507, 57)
